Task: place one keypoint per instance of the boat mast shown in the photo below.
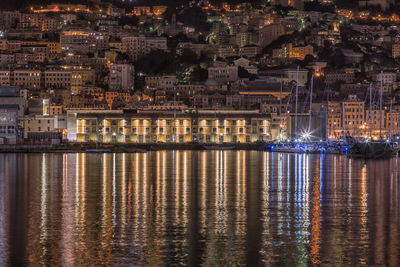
(390, 126)
(311, 92)
(369, 113)
(344, 120)
(297, 93)
(280, 110)
(380, 108)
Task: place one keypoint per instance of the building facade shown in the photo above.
(206, 126)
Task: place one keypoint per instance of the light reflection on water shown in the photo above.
(209, 208)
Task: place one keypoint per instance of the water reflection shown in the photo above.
(208, 208)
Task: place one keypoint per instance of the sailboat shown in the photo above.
(373, 150)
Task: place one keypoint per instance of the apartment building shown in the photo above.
(82, 41)
(353, 118)
(57, 78)
(122, 77)
(269, 33)
(223, 74)
(138, 46)
(28, 79)
(5, 77)
(289, 51)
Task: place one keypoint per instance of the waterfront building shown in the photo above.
(43, 127)
(353, 118)
(8, 123)
(204, 126)
(334, 123)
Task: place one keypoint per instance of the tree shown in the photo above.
(128, 20)
(199, 74)
(243, 73)
(188, 56)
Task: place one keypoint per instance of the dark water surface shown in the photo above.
(208, 208)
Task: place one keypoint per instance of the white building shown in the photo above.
(122, 76)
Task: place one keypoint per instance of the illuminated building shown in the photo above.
(353, 118)
(82, 41)
(204, 126)
(289, 51)
(53, 47)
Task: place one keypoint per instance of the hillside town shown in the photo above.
(202, 72)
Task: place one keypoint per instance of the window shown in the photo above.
(240, 130)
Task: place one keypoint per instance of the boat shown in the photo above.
(371, 150)
(98, 150)
(215, 147)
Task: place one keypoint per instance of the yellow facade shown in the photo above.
(174, 130)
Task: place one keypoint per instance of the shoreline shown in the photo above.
(122, 148)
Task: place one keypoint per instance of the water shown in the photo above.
(208, 208)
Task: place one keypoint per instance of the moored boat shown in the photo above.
(371, 150)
